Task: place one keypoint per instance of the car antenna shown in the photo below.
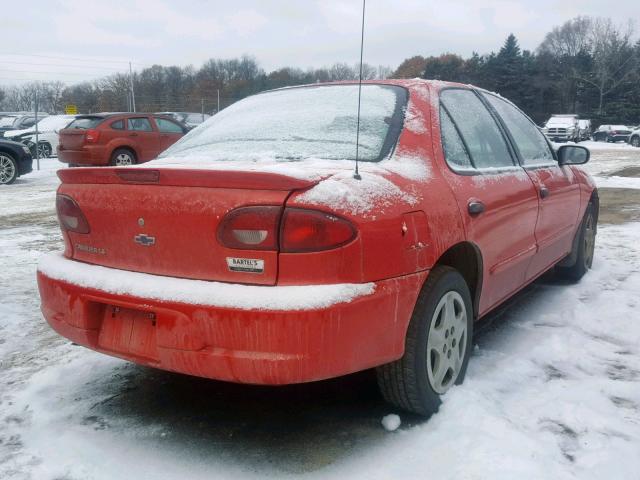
(356, 175)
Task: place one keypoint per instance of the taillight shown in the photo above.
(311, 231)
(301, 230)
(251, 228)
(92, 136)
(70, 216)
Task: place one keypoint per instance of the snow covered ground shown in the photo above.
(553, 388)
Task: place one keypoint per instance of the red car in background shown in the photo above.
(117, 139)
(250, 252)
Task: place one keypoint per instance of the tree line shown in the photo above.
(217, 84)
(588, 66)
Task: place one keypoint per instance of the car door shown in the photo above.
(144, 138)
(557, 188)
(170, 132)
(497, 200)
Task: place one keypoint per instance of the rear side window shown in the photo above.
(455, 153)
(482, 136)
(531, 143)
(141, 124)
(119, 125)
(167, 126)
(85, 123)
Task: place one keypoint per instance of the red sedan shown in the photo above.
(117, 139)
(250, 252)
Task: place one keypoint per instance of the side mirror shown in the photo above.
(573, 155)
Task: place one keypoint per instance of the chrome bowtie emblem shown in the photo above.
(145, 240)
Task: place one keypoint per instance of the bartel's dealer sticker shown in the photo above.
(247, 265)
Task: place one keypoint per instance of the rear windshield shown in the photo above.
(86, 123)
(301, 123)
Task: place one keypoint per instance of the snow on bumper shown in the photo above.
(242, 333)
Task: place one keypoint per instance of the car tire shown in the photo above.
(44, 150)
(635, 141)
(122, 157)
(436, 355)
(584, 247)
(8, 169)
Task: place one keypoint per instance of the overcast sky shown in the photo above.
(95, 37)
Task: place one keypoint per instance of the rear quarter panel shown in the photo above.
(405, 212)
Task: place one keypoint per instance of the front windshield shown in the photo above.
(317, 122)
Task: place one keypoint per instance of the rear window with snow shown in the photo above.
(317, 122)
(85, 123)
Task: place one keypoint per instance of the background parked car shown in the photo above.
(15, 160)
(48, 129)
(634, 139)
(190, 119)
(21, 122)
(117, 139)
(612, 133)
(562, 128)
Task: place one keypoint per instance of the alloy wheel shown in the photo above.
(124, 159)
(635, 141)
(447, 342)
(7, 169)
(44, 151)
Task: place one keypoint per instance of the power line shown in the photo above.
(61, 65)
(49, 72)
(77, 59)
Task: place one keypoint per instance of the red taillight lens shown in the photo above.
(311, 231)
(92, 136)
(70, 216)
(302, 230)
(251, 228)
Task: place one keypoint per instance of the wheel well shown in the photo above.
(595, 201)
(133, 152)
(466, 258)
(7, 152)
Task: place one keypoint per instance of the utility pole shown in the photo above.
(133, 95)
(218, 110)
(36, 125)
(202, 108)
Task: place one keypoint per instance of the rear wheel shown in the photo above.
(437, 345)
(584, 247)
(635, 141)
(122, 157)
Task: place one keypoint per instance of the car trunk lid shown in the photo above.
(165, 221)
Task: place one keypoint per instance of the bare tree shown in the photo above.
(614, 57)
(569, 46)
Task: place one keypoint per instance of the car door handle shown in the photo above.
(544, 192)
(475, 207)
(133, 134)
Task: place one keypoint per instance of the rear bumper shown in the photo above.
(260, 346)
(87, 155)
